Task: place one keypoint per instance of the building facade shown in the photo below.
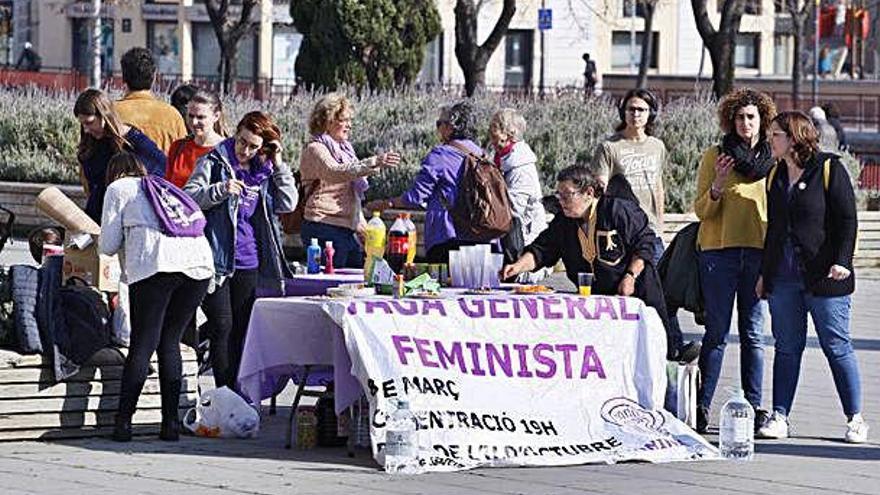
(180, 35)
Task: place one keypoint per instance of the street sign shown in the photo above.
(545, 19)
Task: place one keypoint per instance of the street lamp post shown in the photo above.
(96, 45)
(816, 55)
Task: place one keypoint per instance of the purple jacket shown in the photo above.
(438, 177)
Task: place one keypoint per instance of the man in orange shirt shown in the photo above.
(140, 108)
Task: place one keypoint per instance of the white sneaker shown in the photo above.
(775, 427)
(856, 430)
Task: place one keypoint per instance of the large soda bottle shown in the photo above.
(412, 240)
(374, 244)
(401, 448)
(736, 438)
(398, 245)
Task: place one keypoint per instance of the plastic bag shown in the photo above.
(120, 333)
(222, 413)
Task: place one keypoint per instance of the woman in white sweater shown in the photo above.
(518, 163)
(167, 277)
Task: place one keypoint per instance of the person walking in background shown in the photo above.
(180, 98)
(731, 205)
(167, 278)
(208, 128)
(436, 183)
(807, 268)
(334, 181)
(832, 114)
(140, 108)
(590, 75)
(518, 163)
(101, 136)
(827, 133)
(29, 59)
(241, 185)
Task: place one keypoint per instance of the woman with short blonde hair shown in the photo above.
(334, 181)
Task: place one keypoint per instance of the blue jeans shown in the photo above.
(789, 305)
(725, 274)
(348, 251)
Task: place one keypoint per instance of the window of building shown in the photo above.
(782, 60)
(164, 42)
(81, 46)
(518, 58)
(432, 65)
(748, 50)
(285, 48)
(207, 61)
(621, 52)
(628, 8)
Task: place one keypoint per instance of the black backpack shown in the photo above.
(87, 318)
(482, 208)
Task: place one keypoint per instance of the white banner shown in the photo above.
(519, 380)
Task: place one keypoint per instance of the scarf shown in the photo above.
(587, 238)
(258, 172)
(753, 163)
(500, 153)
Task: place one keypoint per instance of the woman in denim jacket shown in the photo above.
(241, 185)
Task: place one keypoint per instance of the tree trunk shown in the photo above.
(799, 19)
(647, 43)
(721, 43)
(473, 57)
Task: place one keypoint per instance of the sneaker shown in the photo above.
(856, 430)
(689, 353)
(761, 417)
(775, 427)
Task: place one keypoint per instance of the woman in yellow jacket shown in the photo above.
(731, 204)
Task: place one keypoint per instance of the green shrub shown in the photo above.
(39, 134)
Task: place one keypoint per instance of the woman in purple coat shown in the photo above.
(436, 184)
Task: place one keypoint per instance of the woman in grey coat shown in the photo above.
(518, 163)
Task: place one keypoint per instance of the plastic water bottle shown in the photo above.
(313, 257)
(375, 243)
(401, 448)
(736, 439)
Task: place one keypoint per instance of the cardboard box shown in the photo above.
(99, 271)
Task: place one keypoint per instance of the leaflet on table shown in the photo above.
(504, 381)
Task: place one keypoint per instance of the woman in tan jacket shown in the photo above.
(334, 181)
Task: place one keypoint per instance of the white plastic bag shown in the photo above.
(222, 413)
(120, 321)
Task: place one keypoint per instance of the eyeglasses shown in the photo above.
(778, 134)
(567, 196)
(635, 110)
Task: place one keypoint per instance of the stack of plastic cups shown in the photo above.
(497, 264)
(455, 266)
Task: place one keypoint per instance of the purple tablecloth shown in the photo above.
(317, 284)
(287, 333)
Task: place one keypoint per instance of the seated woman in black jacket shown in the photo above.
(606, 234)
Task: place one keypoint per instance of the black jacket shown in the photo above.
(623, 232)
(822, 225)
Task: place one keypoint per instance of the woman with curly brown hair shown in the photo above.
(807, 268)
(731, 204)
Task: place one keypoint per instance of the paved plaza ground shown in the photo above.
(815, 461)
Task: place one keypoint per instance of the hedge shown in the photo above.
(39, 134)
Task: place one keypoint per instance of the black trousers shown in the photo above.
(228, 310)
(161, 307)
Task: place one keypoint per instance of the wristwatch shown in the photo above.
(631, 273)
